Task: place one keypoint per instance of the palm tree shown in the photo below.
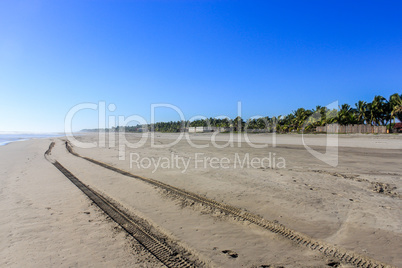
(238, 123)
(300, 117)
(278, 124)
(395, 102)
(380, 110)
(369, 114)
(317, 118)
(346, 115)
(262, 123)
(361, 111)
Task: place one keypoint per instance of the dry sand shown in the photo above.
(356, 205)
(47, 222)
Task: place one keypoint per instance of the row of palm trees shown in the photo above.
(379, 112)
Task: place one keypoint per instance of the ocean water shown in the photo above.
(7, 138)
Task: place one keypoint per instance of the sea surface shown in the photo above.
(7, 138)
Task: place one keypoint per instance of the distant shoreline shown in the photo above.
(9, 138)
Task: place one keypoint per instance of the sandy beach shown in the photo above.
(356, 205)
(186, 134)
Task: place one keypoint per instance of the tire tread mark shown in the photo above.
(161, 251)
(299, 238)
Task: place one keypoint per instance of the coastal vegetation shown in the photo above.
(379, 112)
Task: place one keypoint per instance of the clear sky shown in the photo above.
(201, 56)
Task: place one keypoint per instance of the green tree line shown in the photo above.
(380, 112)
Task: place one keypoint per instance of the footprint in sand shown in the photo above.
(231, 253)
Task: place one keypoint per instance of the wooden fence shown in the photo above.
(335, 128)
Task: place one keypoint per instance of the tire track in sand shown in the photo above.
(162, 251)
(343, 255)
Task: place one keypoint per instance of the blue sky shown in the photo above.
(201, 56)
